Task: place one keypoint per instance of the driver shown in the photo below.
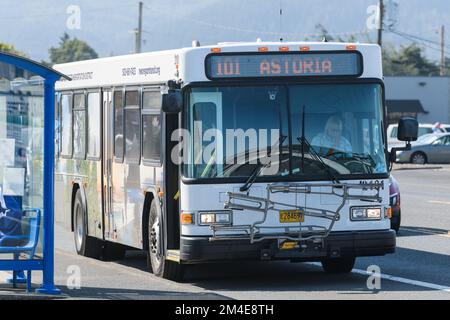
(331, 140)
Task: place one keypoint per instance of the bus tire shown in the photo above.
(157, 263)
(338, 265)
(396, 223)
(85, 245)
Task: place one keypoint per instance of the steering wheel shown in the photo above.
(352, 164)
(338, 155)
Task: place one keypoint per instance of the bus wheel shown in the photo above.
(339, 265)
(157, 262)
(84, 244)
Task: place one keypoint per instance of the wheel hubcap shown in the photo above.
(79, 228)
(154, 240)
(419, 159)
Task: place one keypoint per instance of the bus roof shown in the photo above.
(188, 64)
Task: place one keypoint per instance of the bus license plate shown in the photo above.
(292, 216)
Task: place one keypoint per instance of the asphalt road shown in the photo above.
(420, 269)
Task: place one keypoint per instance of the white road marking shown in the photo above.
(439, 202)
(406, 281)
(400, 279)
(428, 232)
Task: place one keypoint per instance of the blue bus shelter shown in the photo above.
(27, 147)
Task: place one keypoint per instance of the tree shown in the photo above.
(10, 49)
(408, 61)
(71, 50)
(323, 34)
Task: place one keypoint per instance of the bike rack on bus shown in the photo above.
(300, 232)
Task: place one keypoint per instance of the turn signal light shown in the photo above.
(187, 218)
(389, 212)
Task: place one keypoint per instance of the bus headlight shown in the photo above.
(218, 218)
(365, 214)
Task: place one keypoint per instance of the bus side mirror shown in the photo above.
(172, 102)
(408, 130)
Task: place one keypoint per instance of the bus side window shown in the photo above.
(151, 127)
(79, 126)
(94, 126)
(132, 127)
(118, 126)
(66, 125)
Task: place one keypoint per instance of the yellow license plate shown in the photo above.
(288, 245)
(292, 216)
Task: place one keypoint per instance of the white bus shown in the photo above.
(260, 151)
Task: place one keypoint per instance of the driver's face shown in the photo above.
(335, 131)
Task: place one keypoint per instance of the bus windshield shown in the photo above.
(304, 130)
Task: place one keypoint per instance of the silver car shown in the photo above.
(431, 148)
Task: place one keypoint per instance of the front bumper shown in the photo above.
(337, 244)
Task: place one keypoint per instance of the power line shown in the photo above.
(419, 38)
(60, 13)
(414, 39)
(231, 28)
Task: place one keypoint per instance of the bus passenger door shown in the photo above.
(108, 223)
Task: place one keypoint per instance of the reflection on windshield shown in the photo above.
(342, 123)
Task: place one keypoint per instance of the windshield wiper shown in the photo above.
(306, 147)
(358, 156)
(255, 174)
(366, 159)
(260, 166)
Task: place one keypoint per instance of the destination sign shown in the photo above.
(336, 64)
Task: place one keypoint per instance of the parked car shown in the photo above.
(432, 148)
(394, 196)
(442, 127)
(446, 127)
(424, 129)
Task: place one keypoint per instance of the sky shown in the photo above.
(107, 25)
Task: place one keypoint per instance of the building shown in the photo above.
(425, 98)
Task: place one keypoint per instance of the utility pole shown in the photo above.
(443, 51)
(139, 30)
(380, 27)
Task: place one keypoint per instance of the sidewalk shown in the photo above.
(7, 292)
